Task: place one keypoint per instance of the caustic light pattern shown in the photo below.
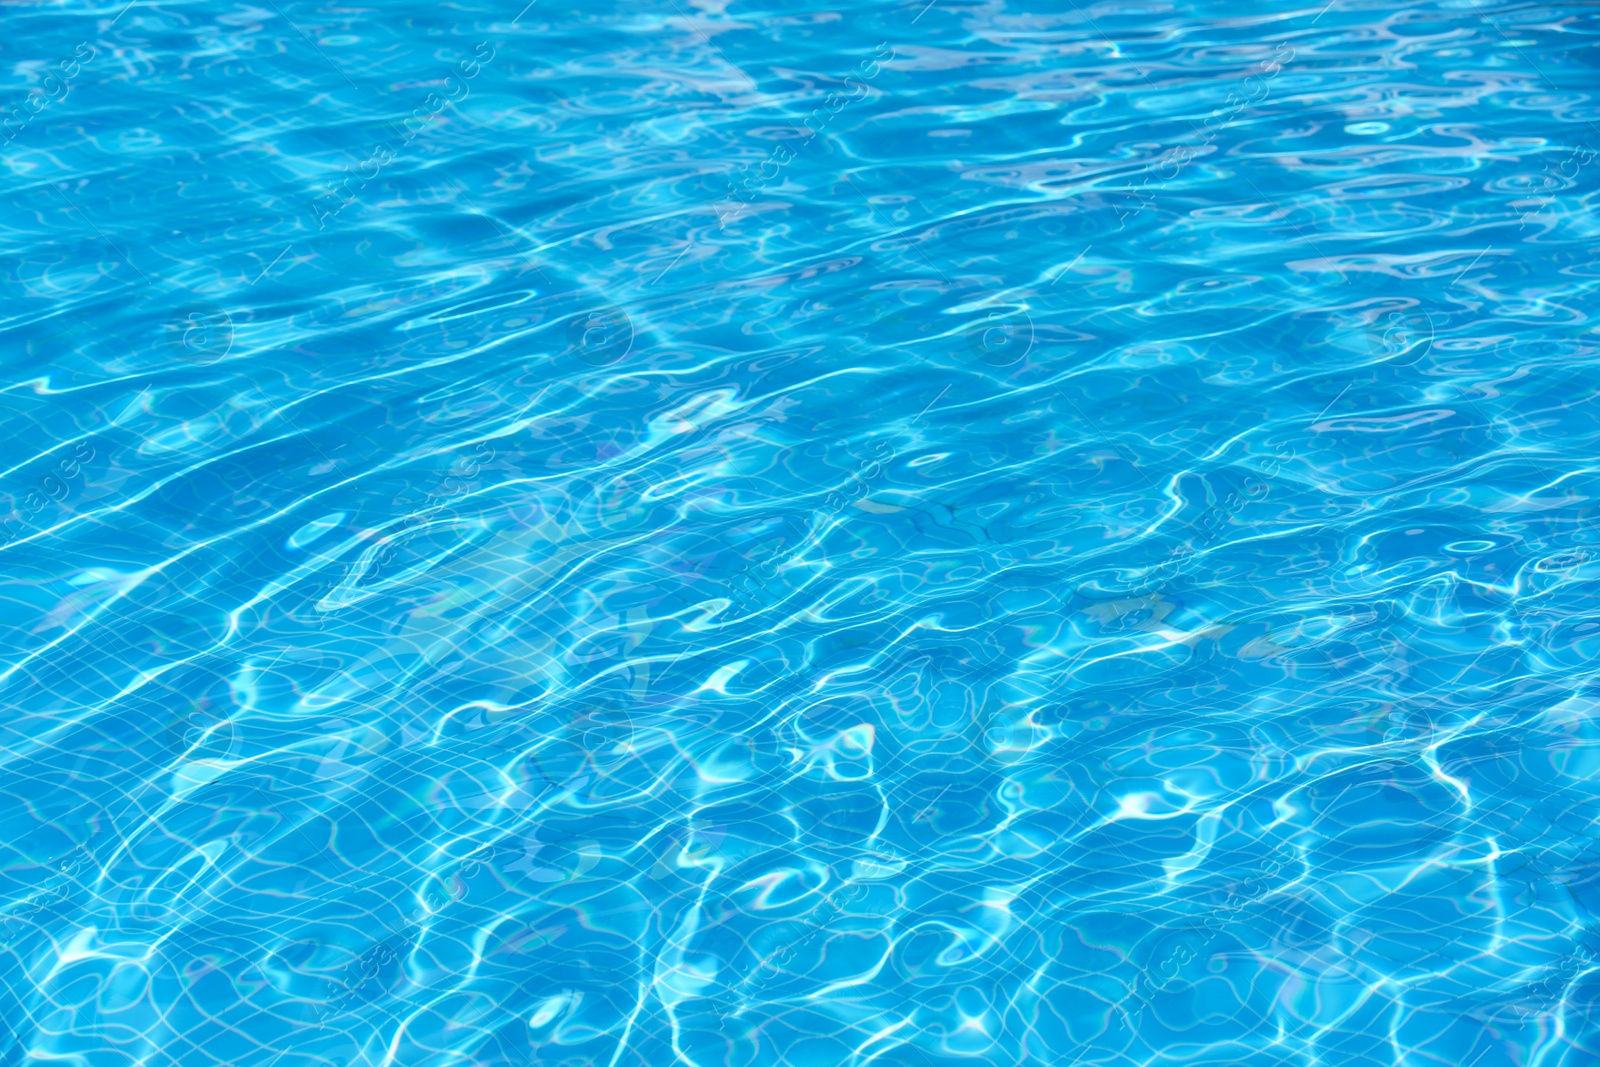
(607, 534)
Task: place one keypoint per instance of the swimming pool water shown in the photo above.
(603, 534)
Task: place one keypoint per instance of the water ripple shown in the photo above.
(595, 535)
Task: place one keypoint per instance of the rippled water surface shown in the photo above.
(685, 532)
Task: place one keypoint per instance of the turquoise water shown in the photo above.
(603, 534)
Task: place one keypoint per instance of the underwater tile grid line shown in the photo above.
(949, 531)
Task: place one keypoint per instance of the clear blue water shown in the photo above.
(689, 533)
